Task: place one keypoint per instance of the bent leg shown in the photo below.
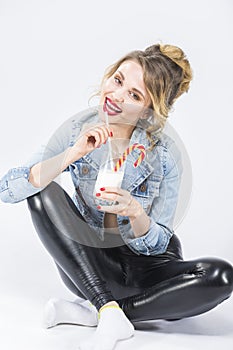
(181, 288)
(197, 286)
(168, 290)
(56, 219)
(68, 283)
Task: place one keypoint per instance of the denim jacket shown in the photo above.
(154, 183)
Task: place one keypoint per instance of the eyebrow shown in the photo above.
(134, 89)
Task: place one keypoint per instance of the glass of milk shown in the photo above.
(108, 177)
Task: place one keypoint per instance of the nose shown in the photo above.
(119, 95)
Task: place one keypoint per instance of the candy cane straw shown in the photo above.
(130, 149)
(109, 141)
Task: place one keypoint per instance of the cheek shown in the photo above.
(107, 85)
(105, 89)
(103, 92)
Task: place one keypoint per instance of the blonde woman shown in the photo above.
(115, 248)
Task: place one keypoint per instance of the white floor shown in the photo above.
(21, 328)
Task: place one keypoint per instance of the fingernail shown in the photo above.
(98, 207)
(98, 194)
(102, 189)
(111, 134)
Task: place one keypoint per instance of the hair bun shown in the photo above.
(173, 52)
(178, 56)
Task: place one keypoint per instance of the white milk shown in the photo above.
(107, 177)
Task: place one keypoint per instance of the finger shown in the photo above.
(109, 189)
(102, 129)
(119, 209)
(107, 129)
(103, 135)
(118, 190)
(109, 196)
(94, 135)
(114, 209)
(106, 132)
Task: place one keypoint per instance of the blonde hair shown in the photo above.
(167, 75)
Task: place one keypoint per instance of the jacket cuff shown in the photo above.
(154, 242)
(15, 186)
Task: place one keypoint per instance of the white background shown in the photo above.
(53, 55)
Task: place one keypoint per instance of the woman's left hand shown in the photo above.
(126, 205)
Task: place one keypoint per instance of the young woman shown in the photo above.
(116, 249)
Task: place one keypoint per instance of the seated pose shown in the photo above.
(114, 245)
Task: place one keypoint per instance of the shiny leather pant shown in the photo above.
(146, 287)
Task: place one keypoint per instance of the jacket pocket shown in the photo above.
(146, 192)
(86, 176)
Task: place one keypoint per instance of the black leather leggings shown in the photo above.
(146, 287)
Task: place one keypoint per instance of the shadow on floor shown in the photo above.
(199, 325)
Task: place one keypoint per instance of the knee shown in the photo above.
(226, 273)
(220, 274)
(36, 201)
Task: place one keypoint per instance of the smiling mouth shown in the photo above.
(110, 107)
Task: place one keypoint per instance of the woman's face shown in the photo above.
(123, 96)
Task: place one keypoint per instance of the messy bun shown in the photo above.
(167, 71)
(177, 55)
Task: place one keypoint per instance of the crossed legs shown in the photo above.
(145, 287)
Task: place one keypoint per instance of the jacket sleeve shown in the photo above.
(163, 208)
(14, 185)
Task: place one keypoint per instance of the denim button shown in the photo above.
(125, 221)
(85, 170)
(143, 188)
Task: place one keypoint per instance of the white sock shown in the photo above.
(80, 312)
(113, 326)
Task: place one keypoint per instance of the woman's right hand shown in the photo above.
(91, 137)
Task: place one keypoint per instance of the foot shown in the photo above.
(113, 326)
(80, 312)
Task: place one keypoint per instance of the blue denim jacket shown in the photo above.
(154, 183)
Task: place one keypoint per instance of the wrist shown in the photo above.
(140, 224)
(138, 212)
(73, 154)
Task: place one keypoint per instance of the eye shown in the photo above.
(117, 80)
(134, 96)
